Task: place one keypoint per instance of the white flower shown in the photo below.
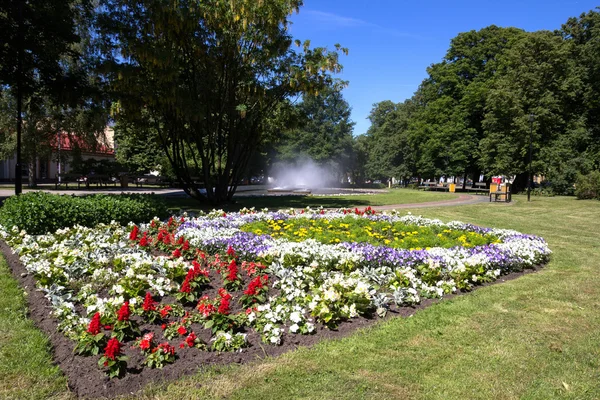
(294, 328)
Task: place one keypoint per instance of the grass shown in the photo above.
(393, 196)
(535, 337)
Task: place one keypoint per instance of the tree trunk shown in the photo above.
(31, 173)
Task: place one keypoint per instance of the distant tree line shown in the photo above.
(471, 115)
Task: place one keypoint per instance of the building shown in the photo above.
(47, 168)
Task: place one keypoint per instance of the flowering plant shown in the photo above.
(124, 327)
(195, 280)
(256, 291)
(160, 355)
(225, 341)
(113, 360)
(92, 340)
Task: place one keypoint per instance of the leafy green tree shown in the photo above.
(389, 146)
(46, 78)
(210, 73)
(538, 77)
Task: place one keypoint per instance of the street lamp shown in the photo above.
(529, 177)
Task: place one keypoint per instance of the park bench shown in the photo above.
(427, 185)
(65, 179)
(140, 181)
(502, 193)
(479, 188)
(99, 180)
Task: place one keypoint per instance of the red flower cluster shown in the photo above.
(149, 303)
(112, 349)
(231, 252)
(164, 312)
(144, 240)
(256, 284)
(181, 330)
(124, 313)
(225, 302)
(165, 348)
(146, 342)
(94, 327)
(186, 245)
(233, 271)
(192, 274)
(252, 267)
(205, 307)
(176, 253)
(133, 235)
(191, 339)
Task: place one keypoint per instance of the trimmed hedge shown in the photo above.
(40, 212)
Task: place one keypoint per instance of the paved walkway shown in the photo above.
(463, 199)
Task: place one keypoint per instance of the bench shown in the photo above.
(65, 179)
(150, 180)
(479, 187)
(498, 194)
(99, 180)
(427, 185)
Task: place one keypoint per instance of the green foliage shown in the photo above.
(232, 64)
(39, 212)
(588, 186)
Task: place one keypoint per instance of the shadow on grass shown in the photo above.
(271, 202)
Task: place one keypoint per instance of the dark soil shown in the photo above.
(86, 380)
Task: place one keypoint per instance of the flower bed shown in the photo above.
(140, 297)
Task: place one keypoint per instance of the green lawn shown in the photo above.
(536, 337)
(393, 196)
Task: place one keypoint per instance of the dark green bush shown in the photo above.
(588, 186)
(39, 212)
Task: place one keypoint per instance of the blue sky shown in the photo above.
(392, 42)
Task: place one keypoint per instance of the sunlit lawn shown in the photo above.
(536, 337)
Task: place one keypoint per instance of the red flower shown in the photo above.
(146, 341)
(191, 339)
(170, 221)
(230, 252)
(144, 240)
(186, 245)
(153, 224)
(233, 271)
(223, 294)
(177, 253)
(108, 327)
(166, 348)
(180, 240)
(224, 306)
(164, 312)
(134, 233)
(163, 326)
(149, 303)
(185, 286)
(112, 349)
(181, 345)
(256, 284)
(181, 330)
(94, 327)
(224, 215)
(123, 314)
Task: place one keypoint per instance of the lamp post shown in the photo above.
(529, 177)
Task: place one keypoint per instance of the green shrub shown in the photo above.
(39, 212)
(588, 186)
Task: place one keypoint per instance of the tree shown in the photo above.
(210, 73)
(323, 133)
(46, 71)
(389, 148)
(538, 77)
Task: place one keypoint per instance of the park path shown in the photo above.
(462, 199)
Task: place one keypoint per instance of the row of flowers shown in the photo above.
(154, 285)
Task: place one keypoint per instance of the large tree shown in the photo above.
(47, 80)
(210, 73)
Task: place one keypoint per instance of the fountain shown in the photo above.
(301, 178)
